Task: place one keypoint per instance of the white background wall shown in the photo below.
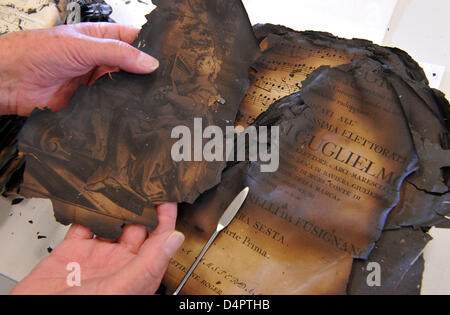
(422, 28)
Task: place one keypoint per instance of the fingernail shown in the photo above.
(173, 243)
(147, 62)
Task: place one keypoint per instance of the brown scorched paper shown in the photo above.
(302, 226)
(11, 161)
(399, 253)
(105, 160)
(289, 56)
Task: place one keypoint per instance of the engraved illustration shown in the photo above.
(108, 152)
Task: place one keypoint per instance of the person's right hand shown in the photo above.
(43, 68)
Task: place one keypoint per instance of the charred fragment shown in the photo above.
(106, 159)
(361, 133)
(328, 201)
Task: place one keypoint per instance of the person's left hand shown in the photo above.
(135, 264)
(43, 68)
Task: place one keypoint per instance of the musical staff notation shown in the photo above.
(281, 71)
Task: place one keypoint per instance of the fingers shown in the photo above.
(133, 237)
(167, 218)
(109, 45)
(124, 33)
(163, 241)
(104, 240)
(162, 244)
(114, 53)
(78, 232)
(173, 243)
(145, 273)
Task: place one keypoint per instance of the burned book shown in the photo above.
(11, 160)
(288, 57)
(289, 229)
(105, 160)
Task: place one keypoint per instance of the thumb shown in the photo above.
(116, 53)
(145, 273)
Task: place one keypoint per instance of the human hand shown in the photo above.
(135, 264)
(43, 68)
